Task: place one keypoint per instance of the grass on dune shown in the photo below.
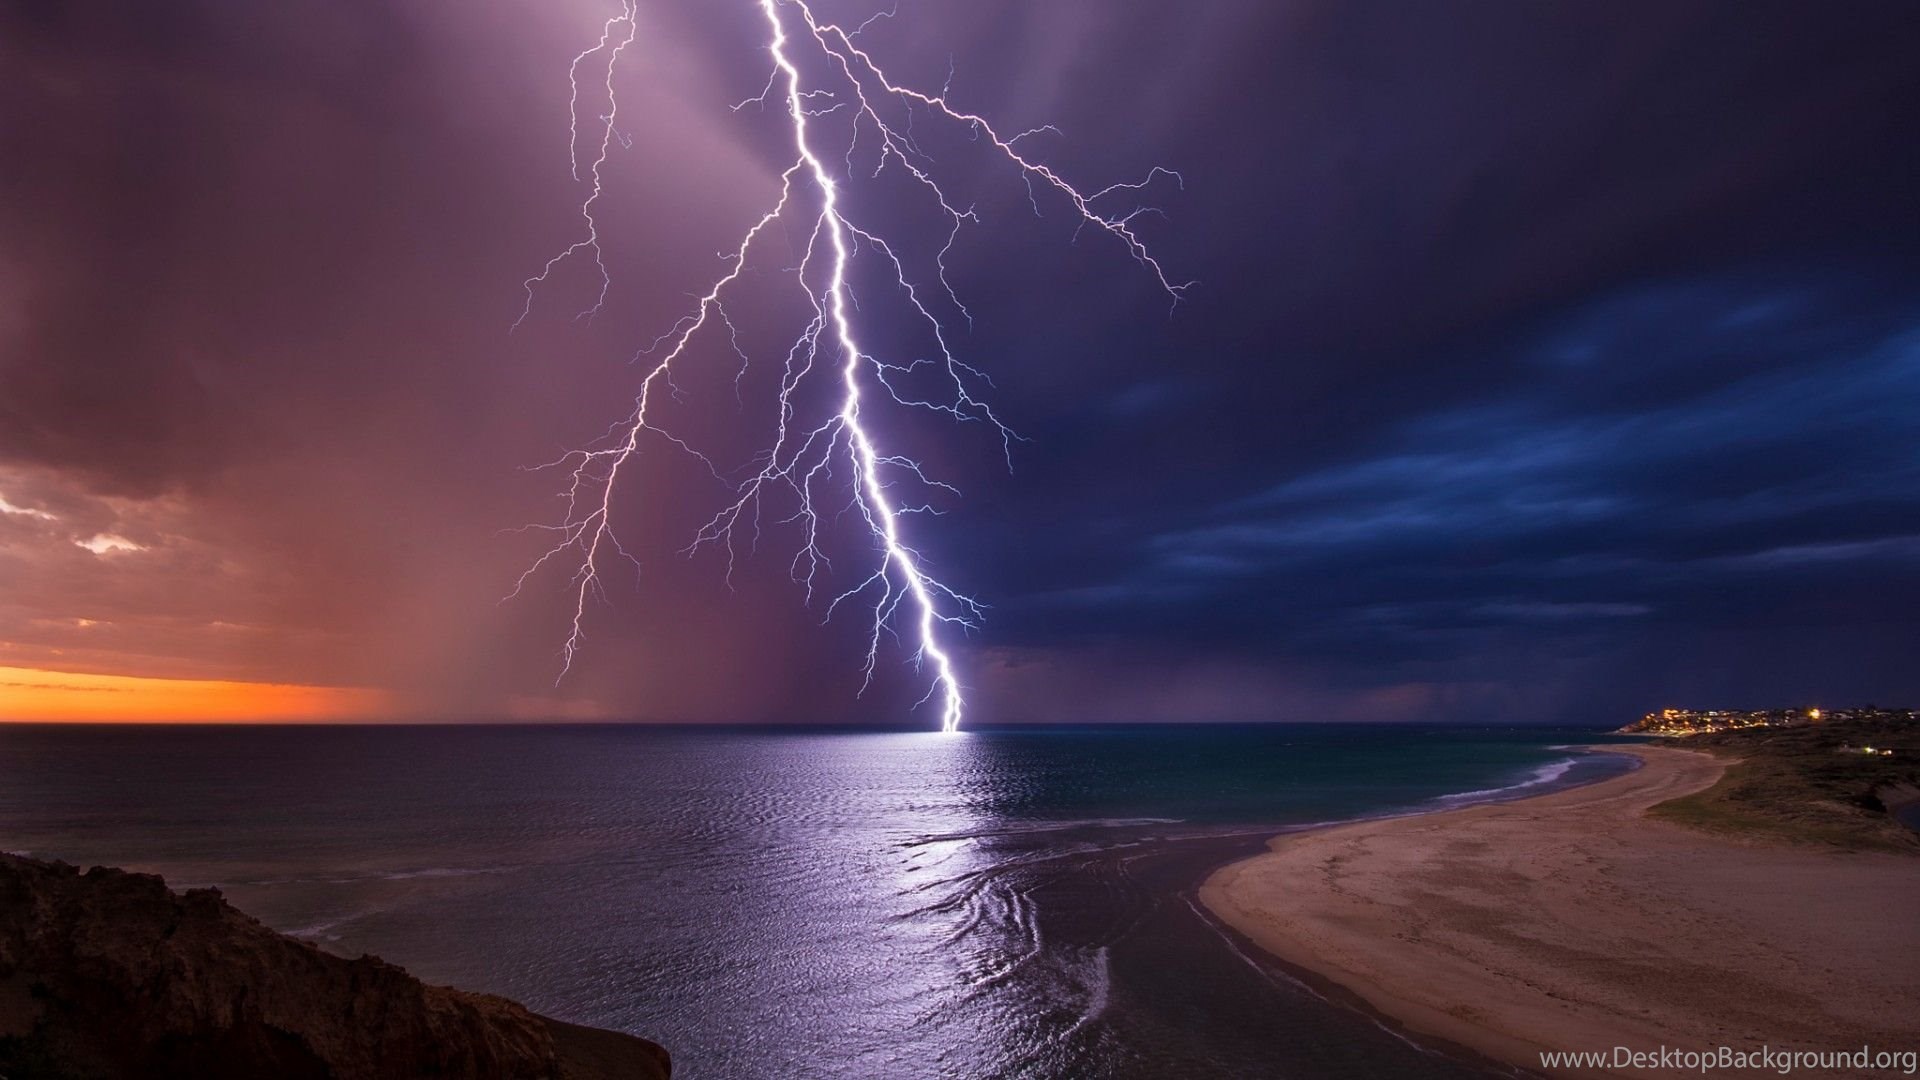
(1808, 784)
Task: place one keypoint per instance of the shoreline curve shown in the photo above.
(1568, 921)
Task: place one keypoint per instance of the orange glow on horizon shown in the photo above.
(28, 694)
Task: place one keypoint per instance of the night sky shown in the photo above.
(1544, 362)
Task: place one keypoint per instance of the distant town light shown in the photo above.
(1679, 722)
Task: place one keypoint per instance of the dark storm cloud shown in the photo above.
(1572, 495)
(1756, 530)
(1540, 356)
(1543, 361)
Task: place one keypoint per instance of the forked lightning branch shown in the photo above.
(811, 472)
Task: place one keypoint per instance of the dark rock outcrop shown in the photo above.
(109, 974)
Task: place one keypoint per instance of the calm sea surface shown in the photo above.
(789, 902)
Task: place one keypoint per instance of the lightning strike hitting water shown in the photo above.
(801, 459)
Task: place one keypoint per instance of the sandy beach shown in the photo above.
(1570, 922)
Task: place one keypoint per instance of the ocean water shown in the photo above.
(791, 902)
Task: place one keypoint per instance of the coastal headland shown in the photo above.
(109, 974)
(1573, 921)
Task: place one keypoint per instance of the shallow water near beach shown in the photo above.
(790, 902)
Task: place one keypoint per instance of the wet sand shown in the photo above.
(1572, 922)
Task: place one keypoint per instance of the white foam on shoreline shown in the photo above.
(1545, 774)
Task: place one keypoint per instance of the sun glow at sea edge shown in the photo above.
(38, 695)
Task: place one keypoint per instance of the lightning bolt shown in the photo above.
(900, 592)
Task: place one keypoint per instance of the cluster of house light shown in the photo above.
(1703, 721)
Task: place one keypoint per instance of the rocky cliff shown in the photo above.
(107, 974)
